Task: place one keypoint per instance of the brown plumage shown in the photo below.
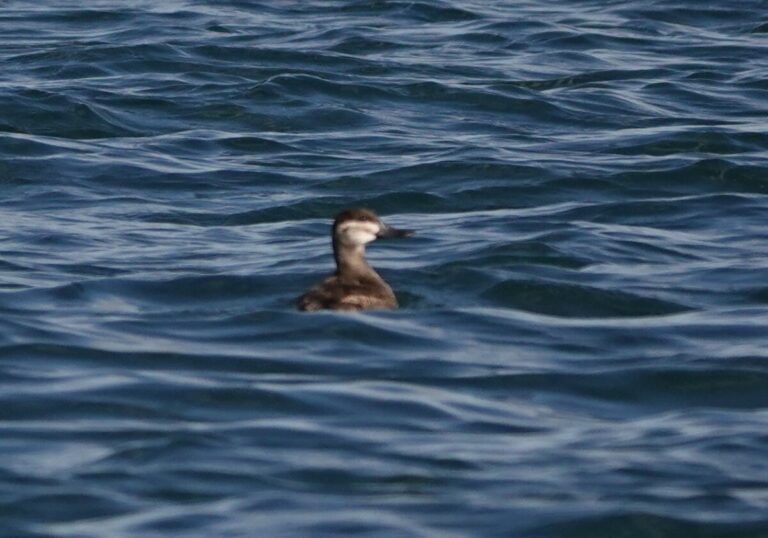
(354, 285)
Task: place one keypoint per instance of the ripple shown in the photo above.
(643, 523)
(577, 301)
(44, 113)
(581, 345)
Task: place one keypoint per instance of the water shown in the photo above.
(582, 345)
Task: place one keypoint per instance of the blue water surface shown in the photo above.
(582, 348)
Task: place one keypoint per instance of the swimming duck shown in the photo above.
(354, 285)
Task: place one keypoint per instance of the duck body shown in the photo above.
(355, 285)
(338, 293)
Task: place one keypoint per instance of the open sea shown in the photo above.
(582, 345)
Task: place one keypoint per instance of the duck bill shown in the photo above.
(388, 232)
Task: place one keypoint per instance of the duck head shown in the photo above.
(358, 227)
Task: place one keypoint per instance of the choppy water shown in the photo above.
(583, 345)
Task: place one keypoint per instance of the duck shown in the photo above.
(355, 285)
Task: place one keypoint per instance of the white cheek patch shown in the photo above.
(358, 233)
(360, 237)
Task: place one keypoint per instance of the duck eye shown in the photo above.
(365, 219)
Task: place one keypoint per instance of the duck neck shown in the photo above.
(350, 260)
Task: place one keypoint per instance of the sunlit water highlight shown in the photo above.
(582, 348)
